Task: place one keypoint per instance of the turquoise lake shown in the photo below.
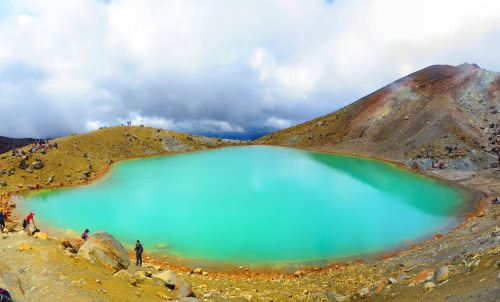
(256, 205)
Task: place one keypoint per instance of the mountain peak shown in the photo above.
(434, 108)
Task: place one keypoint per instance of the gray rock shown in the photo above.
(184, 289)
(442, 273)
(166, 278)
(364, 292)
(429, 285)
(22, 164)
(37, 165)
(140, 276)
(103, 249)
(126, 276)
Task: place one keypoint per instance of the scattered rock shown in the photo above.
(299, 273)
(184, 289)
(442, 273)
(364, 292)
(140, 276)
(429, 285)
(126, 276)
(37, 165)
(24, 247)
(341, 298)
(425, 275)
(22, 164)
(122, 274)
(166, 278)
(248, 297)
(104, 250)
(41, 235)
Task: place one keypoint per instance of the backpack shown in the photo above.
(4, 293)
(83, 236)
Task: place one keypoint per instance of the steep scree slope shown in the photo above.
(430, 110)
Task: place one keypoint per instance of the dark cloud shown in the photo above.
(220, 66)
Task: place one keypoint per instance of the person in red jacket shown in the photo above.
(29, 218)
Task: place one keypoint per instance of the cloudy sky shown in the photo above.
(195, 66)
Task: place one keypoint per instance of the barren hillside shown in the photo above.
(441, 112)
(82, 157)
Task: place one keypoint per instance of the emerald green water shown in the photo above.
(255, 205)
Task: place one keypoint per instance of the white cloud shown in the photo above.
(221, 66)
(277, 123)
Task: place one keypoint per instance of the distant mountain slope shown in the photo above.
(8, 143)
(422, 115)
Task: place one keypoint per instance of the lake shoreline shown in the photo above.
(468, 209)
(474, 238)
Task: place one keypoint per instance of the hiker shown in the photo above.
(5, 295)
(85, 235)
(495, 201)
(138, 253)
(3, 215)
(26, 223)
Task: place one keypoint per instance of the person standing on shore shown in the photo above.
(138, 253)
(2, 221)
(26, 224)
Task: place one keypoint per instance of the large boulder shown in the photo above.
(103, 249)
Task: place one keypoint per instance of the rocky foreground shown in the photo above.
(463, 265)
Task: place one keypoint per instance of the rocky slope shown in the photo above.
(442, 112)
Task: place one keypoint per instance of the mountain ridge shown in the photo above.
(435, 108)
(9, 143)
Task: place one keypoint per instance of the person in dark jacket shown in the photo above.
(138, 253)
